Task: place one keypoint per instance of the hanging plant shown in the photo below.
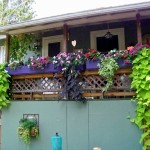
(4, 87)
(107, 68)
(141, 83)
(28, 128)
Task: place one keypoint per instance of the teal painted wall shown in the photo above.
(82, 126)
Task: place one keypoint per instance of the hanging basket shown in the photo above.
(34, 132)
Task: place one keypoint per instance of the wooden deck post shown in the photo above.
(65, 37)
(139, 32)
(7, 47)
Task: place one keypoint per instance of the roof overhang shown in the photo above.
(101, 15)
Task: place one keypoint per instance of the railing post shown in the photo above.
(65, 37)
(7, 47)
(139, 32)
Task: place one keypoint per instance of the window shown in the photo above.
(99, 42)
(52, 45)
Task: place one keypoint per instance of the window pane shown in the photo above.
(2, 54)
(53, 49)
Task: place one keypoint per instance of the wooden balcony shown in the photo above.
(49, 86)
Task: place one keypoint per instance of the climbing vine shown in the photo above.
(4, 87)
(19, 44)
(141, 83)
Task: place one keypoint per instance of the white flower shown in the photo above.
(63, 69)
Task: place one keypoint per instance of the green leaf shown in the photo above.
(147, 113)
(144, 135)
(147, 143)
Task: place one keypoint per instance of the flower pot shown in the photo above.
(53, 69)
(92, 64)
(122, 64)
(23, 70)
(34, 132)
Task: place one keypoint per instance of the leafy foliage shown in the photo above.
(19, 44)
(68, 60)
(72, 88)
(15, 11)
(107, 69)
(27, 129)
(141, 83)
(4, 87)
(93, 54)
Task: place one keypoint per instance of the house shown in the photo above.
(99, 122)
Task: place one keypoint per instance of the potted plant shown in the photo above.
(125, 57)
(28, 128)
(42, 65)
(121, 57)
(92, 57)
(107, 69)
(33, 66)
(66, 60)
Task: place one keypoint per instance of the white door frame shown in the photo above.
(51, 39)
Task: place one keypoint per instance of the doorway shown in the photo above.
(52, 45)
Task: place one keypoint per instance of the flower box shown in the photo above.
(23, 70)
(80, 67)
(122, 64)
(92, 64)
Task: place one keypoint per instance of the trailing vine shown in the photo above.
(141, 83)
(107, 69)
(4, 87)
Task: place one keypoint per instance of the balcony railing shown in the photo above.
(42, 86)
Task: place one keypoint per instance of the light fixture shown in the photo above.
(108, 35)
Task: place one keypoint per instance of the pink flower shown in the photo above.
(126, 61)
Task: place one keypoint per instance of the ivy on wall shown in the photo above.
(141, 83)
(4, 87)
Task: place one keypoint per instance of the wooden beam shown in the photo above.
(34, 76)
(95, 72)
(7, 47)
(139, 32)
(65, 37)
(98, 94)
